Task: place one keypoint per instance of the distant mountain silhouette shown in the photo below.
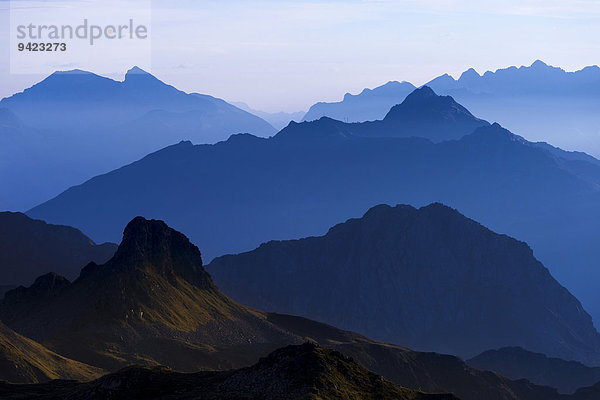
(278, 120)
(29, 248)
(429, 279)
(369, 105)
(537, 79)
(518, 363)
(76, 124)
(24, 361)
(235, 195)
(425, 114)
(540, 102)
(326, 374)
(422, 114)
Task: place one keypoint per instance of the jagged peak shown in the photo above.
(143, 237)
(469, 74)
(152, 244)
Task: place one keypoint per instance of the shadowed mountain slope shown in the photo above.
(429, 279)
(518, 363)
(24, 361)
(29, 248)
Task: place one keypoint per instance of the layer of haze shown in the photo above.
(286, 55)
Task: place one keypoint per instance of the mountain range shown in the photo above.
(369, 105)
(232, 196)
(75, 124)
(518, 363)
(153, 303)
(30, 248)
(540, 102)
(429, 279)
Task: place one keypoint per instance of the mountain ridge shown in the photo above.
(76, 124)
(109, 293)
(518, 363)
(428, 278)
(540, 102)
(30, 247)
(312, 175)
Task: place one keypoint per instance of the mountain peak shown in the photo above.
(151, 244)
(539, 64)
(424, 92)
(435, 117)
(135, 70)
(138, 75)
(469, 75)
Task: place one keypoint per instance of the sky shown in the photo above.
(286, 55)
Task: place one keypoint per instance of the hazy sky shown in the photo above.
(286, 55)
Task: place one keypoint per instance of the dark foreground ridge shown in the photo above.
(294, 372)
